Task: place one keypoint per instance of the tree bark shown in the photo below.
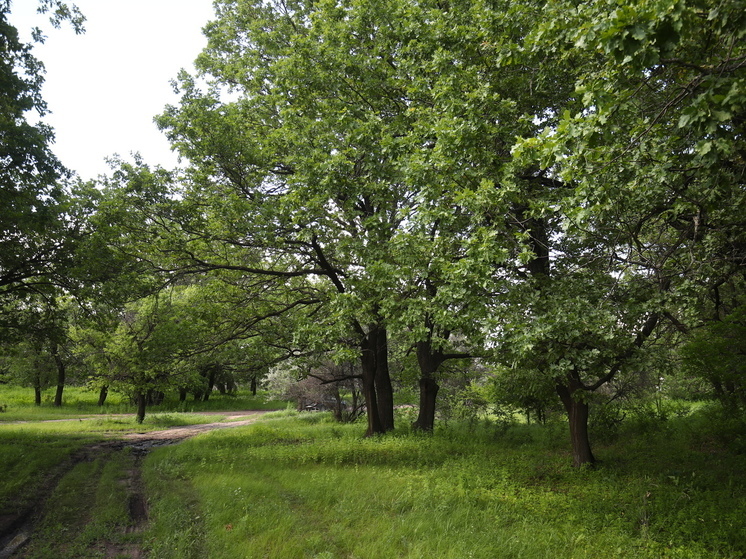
(102, 394)
(369, 392)
(428, 393)
(428, 362)
(379, 395)
(61, 370)
(577, 414)
(141, 400)
(368, 364)
(211, 374)
(253, 385)
(384, 390)
(37, 394)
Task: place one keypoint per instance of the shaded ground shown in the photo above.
(16, 530)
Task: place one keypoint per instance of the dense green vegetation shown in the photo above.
(308, 487)
(471, 211)
(388, 196)
(669, 484)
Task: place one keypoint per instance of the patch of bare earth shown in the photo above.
(16, 530)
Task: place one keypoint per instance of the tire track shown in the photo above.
(16, 530)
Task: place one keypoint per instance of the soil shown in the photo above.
(16, 530)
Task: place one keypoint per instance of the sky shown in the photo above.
(104, 87)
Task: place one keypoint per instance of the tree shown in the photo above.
(643, 164)
(310, 195)
(345, 144)
(30, 190)
(39, 351)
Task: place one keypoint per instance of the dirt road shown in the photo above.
(17, 530)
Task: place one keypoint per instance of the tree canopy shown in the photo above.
(555, 189)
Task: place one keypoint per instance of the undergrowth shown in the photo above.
(304, 486)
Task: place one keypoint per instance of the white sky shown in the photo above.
(104, 87)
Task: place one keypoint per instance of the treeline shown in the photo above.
(552, 193)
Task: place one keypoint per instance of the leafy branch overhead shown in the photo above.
(551, 194)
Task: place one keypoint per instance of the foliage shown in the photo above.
(556, 189)
(716, 353)
(36, 230)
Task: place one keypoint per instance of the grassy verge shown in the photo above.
(87, 513)
(17, 404)
(30, 452)
(27, 459)
(303, 487)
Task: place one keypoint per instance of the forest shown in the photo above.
(483, 207)
(494, 252)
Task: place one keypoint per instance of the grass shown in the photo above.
(38, 441)
(303, 487)
(18, 405)
(88, 510)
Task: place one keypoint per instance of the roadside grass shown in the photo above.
(27, 458)
(303, 486)
(35, 441)
(31, 451)
(17, 404)
(87, 511)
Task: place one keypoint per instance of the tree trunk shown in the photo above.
(253, 385)
(368, 366)
(577, 414)
(141, 400)
(384, 390)
(37, 394)
(212, 373)
(379, 395)
(102, 394)
(182, 394)
(429, 362)
(426, 416)
(60, 375)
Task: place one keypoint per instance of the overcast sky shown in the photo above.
(105, 86)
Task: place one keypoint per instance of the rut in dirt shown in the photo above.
(16, 529)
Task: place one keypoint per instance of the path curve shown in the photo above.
(16, 530)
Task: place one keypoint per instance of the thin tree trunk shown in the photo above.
(577, 414)
(61, 370)
(37, 394)
(253, 385)
(141, 400)
(102, 394)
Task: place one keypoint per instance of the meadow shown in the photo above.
(303, 486)
(299, 485)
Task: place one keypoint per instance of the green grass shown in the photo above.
(18, 404)
(304, 487)
(298, 485)
(88, 508)
(37, 440)
(26, 459)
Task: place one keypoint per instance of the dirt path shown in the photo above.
(16, 530)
